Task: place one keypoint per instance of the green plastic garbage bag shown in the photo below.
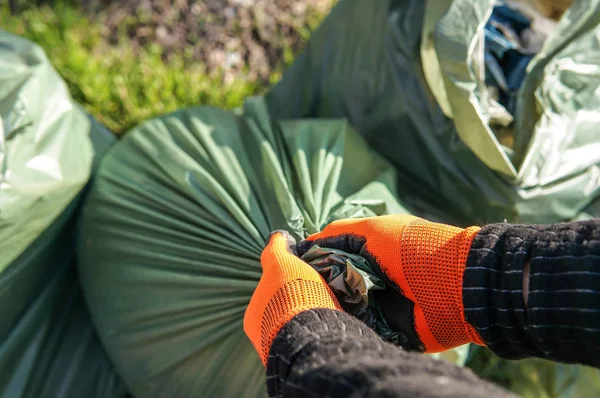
(48, 148)
(175, 223)
(407, 75)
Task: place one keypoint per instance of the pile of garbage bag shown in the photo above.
(458, 111)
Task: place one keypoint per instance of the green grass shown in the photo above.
(119, 88)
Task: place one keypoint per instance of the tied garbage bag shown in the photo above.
(410, 75)
(175, 223)
(48, 150)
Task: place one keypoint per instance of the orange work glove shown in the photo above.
(288, 286)
(423, 261)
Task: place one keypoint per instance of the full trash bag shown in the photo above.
(410, 76)
(48, 150)
(407, 75)
(175, 223)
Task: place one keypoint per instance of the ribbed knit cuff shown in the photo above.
(561, 321)
(492, 289)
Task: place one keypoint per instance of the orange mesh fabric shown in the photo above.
(433, 264)
(427, 261)
(287, 287)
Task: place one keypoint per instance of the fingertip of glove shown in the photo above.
(281, 232)
(281, 238)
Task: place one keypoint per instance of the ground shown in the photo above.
(130, 60)
(249, 37)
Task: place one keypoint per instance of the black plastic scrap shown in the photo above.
(506, 59)
(353, 282)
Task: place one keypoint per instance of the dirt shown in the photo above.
(230, 37)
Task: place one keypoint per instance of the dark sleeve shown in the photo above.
(327, 353)
(562, 318)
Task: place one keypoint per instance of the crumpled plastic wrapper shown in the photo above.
(353, 282)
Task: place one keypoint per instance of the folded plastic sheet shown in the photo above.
(353, 281)
(175, 223)
(48, 150)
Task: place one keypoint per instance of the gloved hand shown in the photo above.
(288, 286)
(423, 262)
